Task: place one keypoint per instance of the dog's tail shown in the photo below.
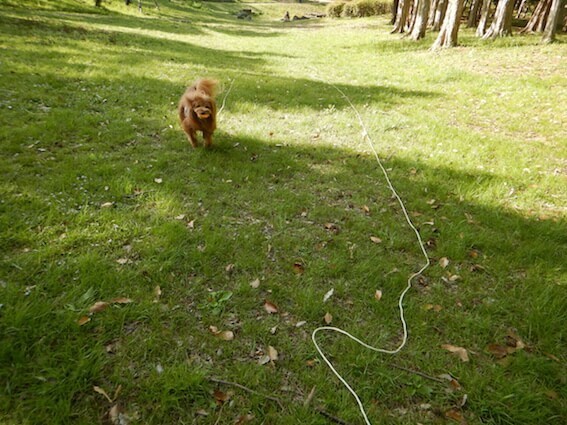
(207, 85)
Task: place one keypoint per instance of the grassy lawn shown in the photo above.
(102, 199)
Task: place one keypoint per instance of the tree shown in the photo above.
(421, 16)
(502, 23)
(439, 14)
(552, 21)
(483, 22)
(402, 16)
(539, 17)
(473, 13)
(449, 30)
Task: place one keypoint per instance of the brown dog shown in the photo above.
(198, 111)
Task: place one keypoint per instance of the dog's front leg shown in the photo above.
(192, 136)
(208, 138)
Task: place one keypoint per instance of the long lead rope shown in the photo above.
(403, 294)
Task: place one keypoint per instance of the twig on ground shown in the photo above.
(319, 410)
(309, 397)
(242, 387)
(330, 417)
(416, 372)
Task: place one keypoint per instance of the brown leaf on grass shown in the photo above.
(114, 415)
(498, 351)
(366, 209)
(444, 262)
(220, 397)
(120, 300)
(375, 239)
(455, 415)
(453, 383)
(328, 318)
(378, 295)
(157, 294)
(298, 268)
(229, 268)
(98, 307)
(123, 261)
(273, 353)
(332, 227)
(102, 392)
(224, 335)
(244, 419)
(435, 307)
(458, 351)
(255, 283)
(270, 307)
(83, 320)
(513, 340)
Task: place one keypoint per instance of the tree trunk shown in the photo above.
(395, 5)
(473, 14)
(552, 21)
(97, 3)
(450, 29)
(402, 16)
(432, 10)
(421, 15)
(539, 18)
(440, 14)
(521, 8)
(484, 14)
(502, 23)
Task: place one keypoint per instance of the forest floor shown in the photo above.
(137, 272)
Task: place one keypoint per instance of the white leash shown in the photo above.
(409, 281)
(225, 96)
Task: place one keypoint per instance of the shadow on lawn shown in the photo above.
(251, 191)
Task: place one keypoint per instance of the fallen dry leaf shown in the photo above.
(298, 268)
(123, 261)
(300, 323)
(375, 239)
(378, 295)
(366, 209)
(435, 307)
(455, 415)
(328, 318)
(98, 307)
(243, 419)
(191, 224)
(229, 268)
(102, 392)
(83, 320)
(265, 359)
(332, 227)
(273, 353)
(114, 414)
(255, 283)
(499, 351)
(328, 295)
(444, 262)
(158, 180)
(120, 300)
(180, 217)
(220, 397)
(157, 293)
(107, 205)
(459, 351)
(270, 307)
(274, 330)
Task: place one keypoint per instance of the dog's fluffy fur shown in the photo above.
(198, 111)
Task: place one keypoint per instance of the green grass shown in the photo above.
(474, 139)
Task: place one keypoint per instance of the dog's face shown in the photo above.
(203, 108)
